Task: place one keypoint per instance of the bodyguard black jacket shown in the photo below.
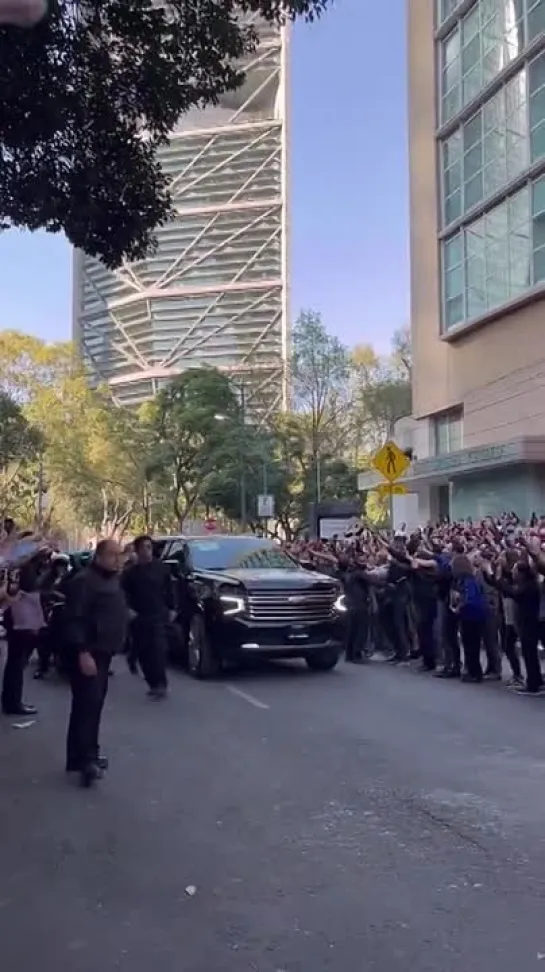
(96, 616)
(149, 590)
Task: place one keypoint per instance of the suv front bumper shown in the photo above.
(238, 637)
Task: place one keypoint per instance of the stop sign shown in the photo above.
(210, 525)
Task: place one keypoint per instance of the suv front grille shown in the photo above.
(292, 607)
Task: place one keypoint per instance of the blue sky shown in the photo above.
(349, 188)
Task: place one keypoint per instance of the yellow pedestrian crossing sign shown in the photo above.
(391, 462)
(391, 489)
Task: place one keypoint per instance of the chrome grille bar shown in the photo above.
(292, 607)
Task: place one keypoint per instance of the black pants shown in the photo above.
(46, 648)
(472, 636)
(530, 653)
(151, 648)
(21, 645)
(450, 643)
(425, 628)
(491, 640)
(357, 633)
(509, 645)
(88, 697)
(394, 621)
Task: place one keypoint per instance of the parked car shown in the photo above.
(242, 596)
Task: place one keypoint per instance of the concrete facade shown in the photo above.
(486, 369)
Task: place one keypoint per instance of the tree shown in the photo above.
(402, 351)
(28, 364)
(380, 391)
(320, 373)
(91, 92)
(92, 454)
(192, 423)
(20, 443)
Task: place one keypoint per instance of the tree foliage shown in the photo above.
(109, 469)
(187, 422)
(20, 443)
(90, 93)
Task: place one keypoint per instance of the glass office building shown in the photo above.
(477, 202)
(215, 292)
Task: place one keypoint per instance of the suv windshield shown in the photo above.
(244, 552)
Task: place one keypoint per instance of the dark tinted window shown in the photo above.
(245, 552)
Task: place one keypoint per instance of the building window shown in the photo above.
(445, 8)
(496, 145)
(450, 75)
(538, 231)
(483, 43)
(495, 258)
(536, 82)
(447, 430)
(536, 18)
(453, 282)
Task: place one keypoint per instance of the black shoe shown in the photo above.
(90, 775)
(40, 674)
(103, 763)
(447, 673)
(158, 693)
(472, 679)
(492, 676)
(426, 667)
(21, 710)
(133, 667)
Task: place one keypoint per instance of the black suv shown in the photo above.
(242, 596)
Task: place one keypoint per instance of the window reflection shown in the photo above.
(497, 144)
(484, 42)
(495, 258)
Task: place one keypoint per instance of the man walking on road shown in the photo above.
(150, 596)
(96, 624)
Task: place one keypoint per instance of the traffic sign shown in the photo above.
(391, 489)
(265, 506)
(391, 461)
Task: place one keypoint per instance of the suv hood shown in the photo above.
(269, 578)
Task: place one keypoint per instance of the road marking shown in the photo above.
(250, 699)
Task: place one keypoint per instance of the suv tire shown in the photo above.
(323, 661)
(201, 661)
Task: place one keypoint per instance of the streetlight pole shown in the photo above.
(242, 459)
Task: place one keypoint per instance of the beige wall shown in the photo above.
(429, 352)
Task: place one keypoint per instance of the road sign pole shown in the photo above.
(391, 497)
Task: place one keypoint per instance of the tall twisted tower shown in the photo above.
(215, 292)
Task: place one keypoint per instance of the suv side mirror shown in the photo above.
(178, 568)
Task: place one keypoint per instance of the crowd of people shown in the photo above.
(451, 595)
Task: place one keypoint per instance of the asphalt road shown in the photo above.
(365, 820)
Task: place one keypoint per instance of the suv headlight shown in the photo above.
(232, 604)
(340, 603)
